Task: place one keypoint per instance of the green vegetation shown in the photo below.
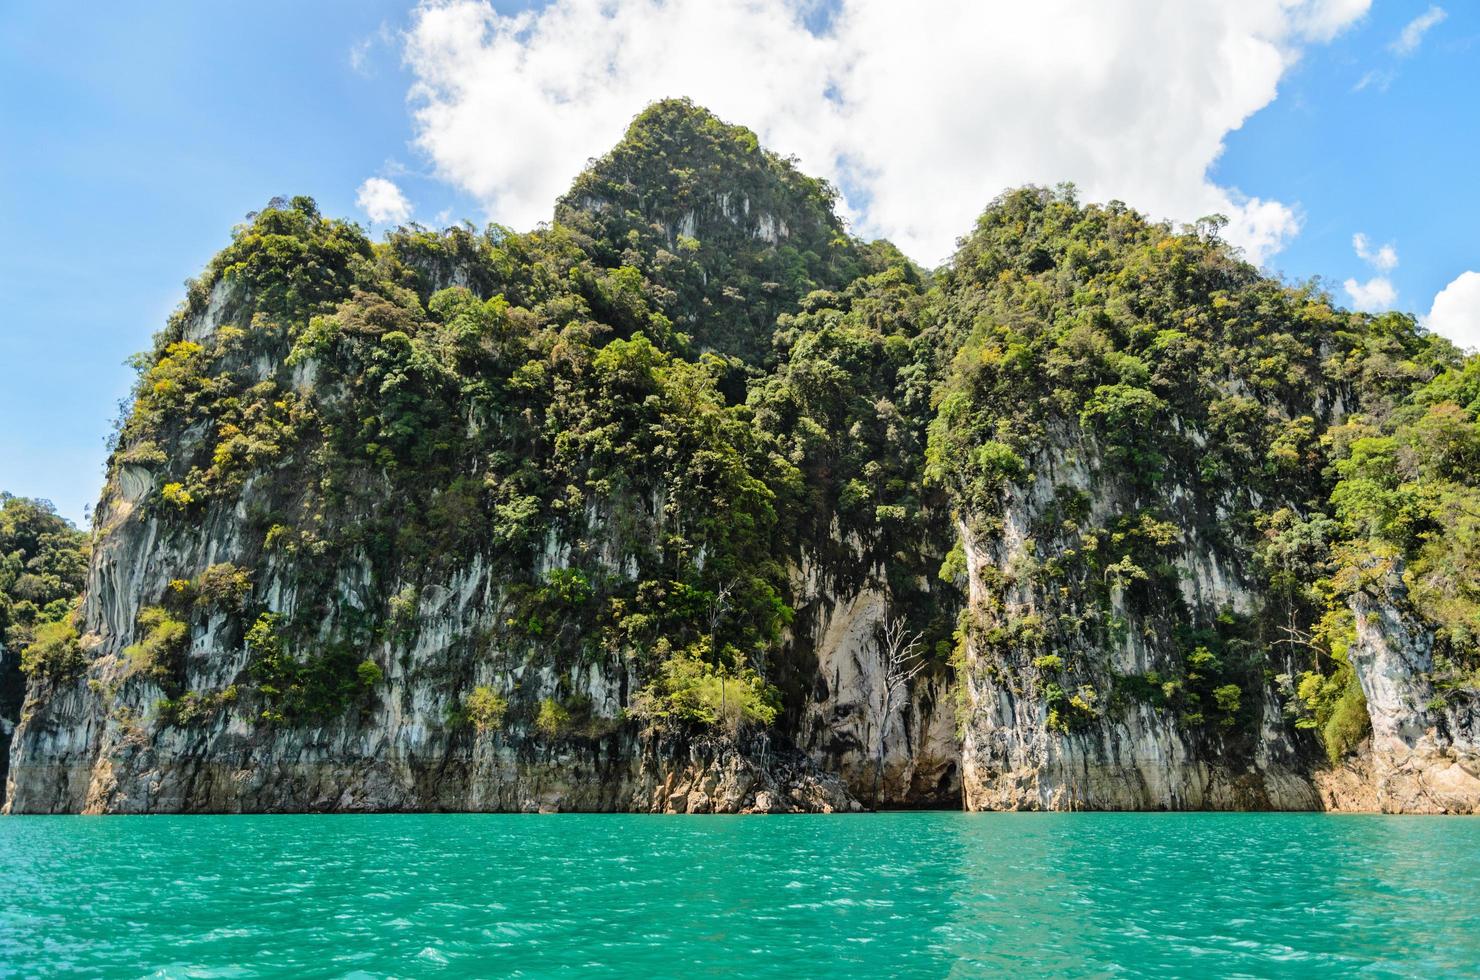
(766, 233)
(194, 707)
(163, 643)
(43, 564)
(553, 718)
(1196, 399)
(54, 652)
(222, 587)
(640, 423)
(317, 686)
(485, 709)
(1408, 500)
(693, 690)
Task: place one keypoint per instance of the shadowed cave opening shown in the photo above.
(944, 794)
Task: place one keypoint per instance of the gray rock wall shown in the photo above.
(1424, 752)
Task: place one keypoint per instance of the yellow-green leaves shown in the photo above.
(54, 652)
(485, 708)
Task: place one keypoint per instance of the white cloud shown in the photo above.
(359, 55)
(922, 115)
(362, 52)
(1456, 311)
(1376, 295)
(1324, 19)
(1411, 36)
(1385, 259)
(383, 202)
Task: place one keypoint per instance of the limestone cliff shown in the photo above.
(103, 742)
(12, 695)
(692, 502)
(1137, 449)
(1424, 753)
(426, 526)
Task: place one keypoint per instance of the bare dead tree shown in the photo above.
(899, 655)
(718, 606)
(1296, 637)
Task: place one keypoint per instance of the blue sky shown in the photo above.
(136, 136)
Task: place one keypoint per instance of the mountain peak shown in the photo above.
(738, 232)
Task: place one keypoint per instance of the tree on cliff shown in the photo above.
(901, 660)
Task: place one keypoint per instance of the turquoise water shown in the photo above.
(918, 894)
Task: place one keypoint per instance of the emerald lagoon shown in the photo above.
(905, 894)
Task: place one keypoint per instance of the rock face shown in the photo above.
(12, 695)
(93, 765)
(1130, 755)
(914, 759)
(92, 746)
(618, 515)
(1424, 753)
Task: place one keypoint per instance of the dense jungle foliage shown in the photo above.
(1166, 398)
(770, 235)
(43, 564)
(652, 413)
(574, 405)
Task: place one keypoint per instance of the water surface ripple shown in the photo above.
(904, 894)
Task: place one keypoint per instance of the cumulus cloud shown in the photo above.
(1324, 19)
(920, 116)
(383, 202)
(1411, 36)
(1373, 296)
(1378, 293)
(1456, 311)
(1384, 259)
